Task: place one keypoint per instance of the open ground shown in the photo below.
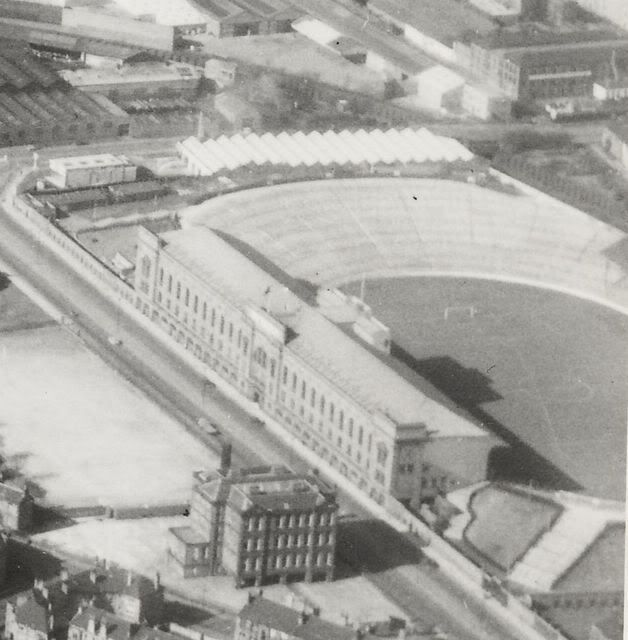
(78, 430)
(545, 370)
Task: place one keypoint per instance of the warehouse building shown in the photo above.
(90, 171)
(432, 25)
(36, 106)
(137, 80)
(324, 385)
(543, 66)
(231, 18)
(281, 526)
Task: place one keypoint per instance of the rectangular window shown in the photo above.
(272, 368)
(169, 284)
(195, 304)
(341, 420)
(178, 291)
(331, 410)
(204, 311)
(230, 330)
(161, 276)
(351, 427)
(303, 390)
(213, 317)
(360, 434)
(187, 297)
(222, 324)
(294, 382)
(284, 375)
(245, 345)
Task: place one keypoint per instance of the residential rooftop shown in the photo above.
(130, 74)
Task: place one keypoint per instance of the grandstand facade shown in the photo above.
(36, 106)
(388, 434)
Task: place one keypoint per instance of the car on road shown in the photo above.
(208, 426)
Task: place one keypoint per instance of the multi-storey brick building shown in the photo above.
(336, 394)
(261, 525)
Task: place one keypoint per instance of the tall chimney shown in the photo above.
(129, 578)
(157, 582)
(225, 458)
(92, 576)
(91, 626)
(302, 617)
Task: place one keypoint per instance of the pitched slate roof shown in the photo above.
(33, 615)
(286, 620)
(117, 628)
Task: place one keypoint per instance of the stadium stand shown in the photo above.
(333, 232)
(326, 149)
(541, 538)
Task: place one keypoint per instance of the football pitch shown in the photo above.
(547, 372)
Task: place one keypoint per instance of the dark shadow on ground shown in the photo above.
(184, 614)
(372, 546)
(5, 281)
(517, 461)
(49, 519)
(25, 563)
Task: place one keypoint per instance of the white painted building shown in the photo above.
(88, 171)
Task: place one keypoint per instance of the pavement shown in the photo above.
(168, 381)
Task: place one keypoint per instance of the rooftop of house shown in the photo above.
(33, 615)
(95, 161)
(112, 579)
(291, 622)
(611, 627)
(116, 628)
(359, 372)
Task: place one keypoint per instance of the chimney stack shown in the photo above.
(91, 626)
(64, 587)
(157, 581)
(302, 617)
(92, 576)
(129, 578)
(51, 623)
(64, 575)
(225, 458)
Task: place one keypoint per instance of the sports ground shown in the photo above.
(544, 370)
(75, 428)
(539, 367)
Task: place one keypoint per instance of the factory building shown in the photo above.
(260, 525)
(90, 171)
(137, 80)
(543, 66)
(306, 367)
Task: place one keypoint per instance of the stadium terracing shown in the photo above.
(37, 106)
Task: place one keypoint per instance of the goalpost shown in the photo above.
(460, 312)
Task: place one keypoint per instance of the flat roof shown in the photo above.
(144, 72)
(346, 363)
(443, 20)
(95, 160)
(188, 535)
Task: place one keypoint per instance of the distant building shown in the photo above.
(16, 508)
(76, 172)
(260, 525)
(615, 141)
(261, 618)
(611, 89)
(137, 80)
(543, 65)
(239, 113)
(432, 25)
(614, 10)
(232, 18)
(221, 71)
(39, 615)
